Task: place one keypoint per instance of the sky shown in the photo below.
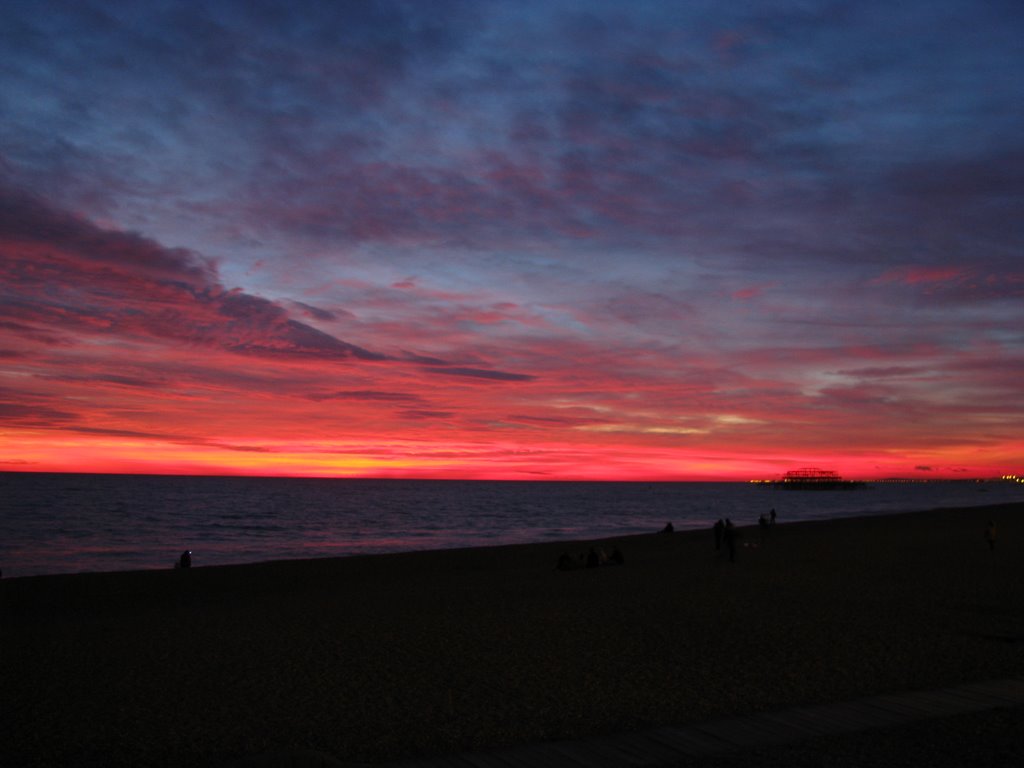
(512, 240)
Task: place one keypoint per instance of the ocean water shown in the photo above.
(68, 523)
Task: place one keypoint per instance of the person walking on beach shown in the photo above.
(990, 535)
(729, 535)
(719, 527)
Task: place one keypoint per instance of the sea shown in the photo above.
(75, 523)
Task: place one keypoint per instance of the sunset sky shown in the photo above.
(537, 240)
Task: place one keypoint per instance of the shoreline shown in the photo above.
(389, 656)
(114, 523)
(571, 543)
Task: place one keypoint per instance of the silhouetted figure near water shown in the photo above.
(719, 527)
(669, 528)
(990, 535)
(729, 535)
(771, 518)
(185, 561)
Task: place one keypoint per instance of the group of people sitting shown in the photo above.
(595, 558)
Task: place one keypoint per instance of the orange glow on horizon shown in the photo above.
(475, 460)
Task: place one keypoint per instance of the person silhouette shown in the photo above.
(730, 539)
(990, 535)
(185, 561)
(719, 527)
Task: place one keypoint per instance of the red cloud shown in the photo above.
(918, 275)
(751, 292)
(64, 277)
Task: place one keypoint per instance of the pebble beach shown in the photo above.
(377, 658)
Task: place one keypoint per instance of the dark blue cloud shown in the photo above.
(470, 125)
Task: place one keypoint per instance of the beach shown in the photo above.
(383, 657)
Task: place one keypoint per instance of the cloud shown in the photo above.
(31, 333)
(64, 277)
(130, 433)
(367, 395)
(745, 294)
(957, 284)
(555, 422)
(314, 313)
(890, 371)
(925, 274)
(672, 214)
(34, 415)
(480, 373)
(425, 415)
(28, 225)
(138, 382)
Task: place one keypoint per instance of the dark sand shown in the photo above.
(377, 658)
(994, 739)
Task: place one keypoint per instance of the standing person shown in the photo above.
(771, 518)
(729, 534)
(719, 527)
(185, 561)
